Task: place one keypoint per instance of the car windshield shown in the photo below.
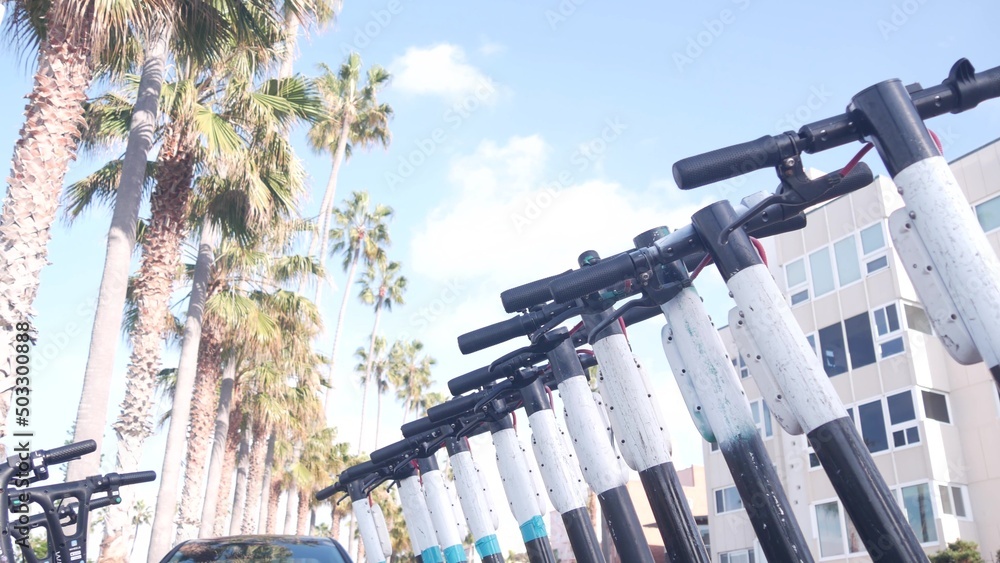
(254, 551)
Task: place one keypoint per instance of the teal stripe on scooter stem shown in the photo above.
(488, 546)
(454, 554)
(533, 529)
(432, 555)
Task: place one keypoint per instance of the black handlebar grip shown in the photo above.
(727, 162)
(125, 479)
(452, 408)
(639, 314)
(328, 492)
(472, 380)
(589, 279)
(418, 426)
(394, 450)
(356, 471)
(496, 333)
(527, 295)
(65, 453)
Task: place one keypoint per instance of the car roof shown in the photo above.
(261, 539)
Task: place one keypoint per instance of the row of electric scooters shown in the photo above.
(954, 270)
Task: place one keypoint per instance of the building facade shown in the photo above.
(932, 425)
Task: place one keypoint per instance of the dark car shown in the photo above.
(247, 549)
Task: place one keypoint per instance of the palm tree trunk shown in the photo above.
(328, 198)
(255, 481)
(266, 485)
(272, 506)
(291, 508)
(42, 155)
(303, 529)
(161, 257)
(218, 455)
(368, 372)
(340, 322)
(162, 535)
(204, 403)
(378, 414)
(292, 25)
(92, 414)
(241, 494)
(335, 517)
(233, 444)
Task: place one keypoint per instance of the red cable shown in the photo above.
(549, 393)
(584, 351)
(937, 141)
(513, 415)
(701, 266)
(760, 249)
(621, 323)
(857, 158)
(578, 326)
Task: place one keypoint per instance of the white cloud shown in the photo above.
(439, 70)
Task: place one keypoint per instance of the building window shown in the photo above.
(872, 420)
(953, 500)
(744, 370)
(846, 254)
(762, 418)
(873, 248)
(811, 339)
(916, 319)
(903, 419)
(821, 271)
(795, 277)
(714, 446)
(738, 556)
(859, 340)
(837, 533)
(727, 500)
(919, 510)
(988, 213)
(832, 352)
(887, 329)
(936, 406)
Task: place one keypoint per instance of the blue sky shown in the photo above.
(528, 132)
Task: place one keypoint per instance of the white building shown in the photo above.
(932, 425)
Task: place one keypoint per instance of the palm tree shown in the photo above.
(143, 515)
(382, 285)
(361, 233)
(199, 32)
(372, 366)
(241, 145)
(250, 194)
(73, 38)
(354, 118)
(411, 374)
(309, 12)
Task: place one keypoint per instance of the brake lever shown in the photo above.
(614, 316)
(796, 189)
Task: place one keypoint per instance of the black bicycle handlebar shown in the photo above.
(116, 480)
(527, 295)
(502, 331)
(328, 492)
(962, 90)
(68, 452)
(592, 278)
(453, 407)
